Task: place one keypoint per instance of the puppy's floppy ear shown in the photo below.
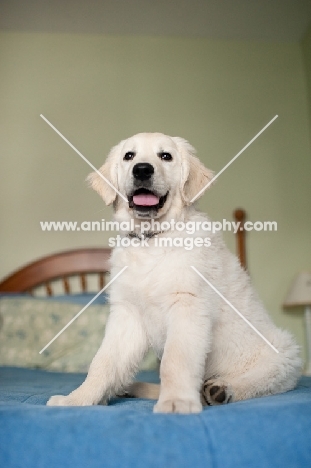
(194, 175)
(110, 172)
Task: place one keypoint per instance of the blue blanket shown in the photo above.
(265, 432)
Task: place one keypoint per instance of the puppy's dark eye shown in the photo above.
(129, 156)
(165, 156)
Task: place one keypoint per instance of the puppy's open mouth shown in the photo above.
(144, 199)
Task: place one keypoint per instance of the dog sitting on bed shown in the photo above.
(209, 355)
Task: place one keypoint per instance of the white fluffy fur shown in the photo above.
(160, 301)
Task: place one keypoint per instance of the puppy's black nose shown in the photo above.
(143, 171)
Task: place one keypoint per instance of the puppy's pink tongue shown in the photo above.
(145, 199)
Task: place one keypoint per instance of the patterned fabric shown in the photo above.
(28, 324)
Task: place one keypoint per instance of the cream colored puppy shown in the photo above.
(208, 353)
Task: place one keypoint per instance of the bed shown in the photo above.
(273, 431)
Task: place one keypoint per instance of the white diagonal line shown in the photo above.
(83, 157)
(82, 310)
(235, 310)
(233, 159)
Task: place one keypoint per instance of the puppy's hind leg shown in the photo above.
(143, 390)
(272, 373)
(216, 392)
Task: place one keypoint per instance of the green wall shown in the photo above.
(98, 90)
(306, 51)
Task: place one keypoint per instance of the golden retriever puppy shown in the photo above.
(209, 355)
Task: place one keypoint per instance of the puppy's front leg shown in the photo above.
(183, 361)
(115, 362)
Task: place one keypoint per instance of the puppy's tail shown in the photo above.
(143, 390)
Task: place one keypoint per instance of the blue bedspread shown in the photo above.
(266, 432)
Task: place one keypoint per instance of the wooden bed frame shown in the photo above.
(81, 262)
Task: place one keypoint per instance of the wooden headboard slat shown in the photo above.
(83, 281)
(48, 289)
(101, 281)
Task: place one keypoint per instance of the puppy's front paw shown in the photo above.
(217, 392)
(74, 399)
(182, 406)
(59, 400)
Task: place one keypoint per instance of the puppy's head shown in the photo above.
(153, 172)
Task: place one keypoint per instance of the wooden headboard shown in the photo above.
(62, 265)
(81, 262)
